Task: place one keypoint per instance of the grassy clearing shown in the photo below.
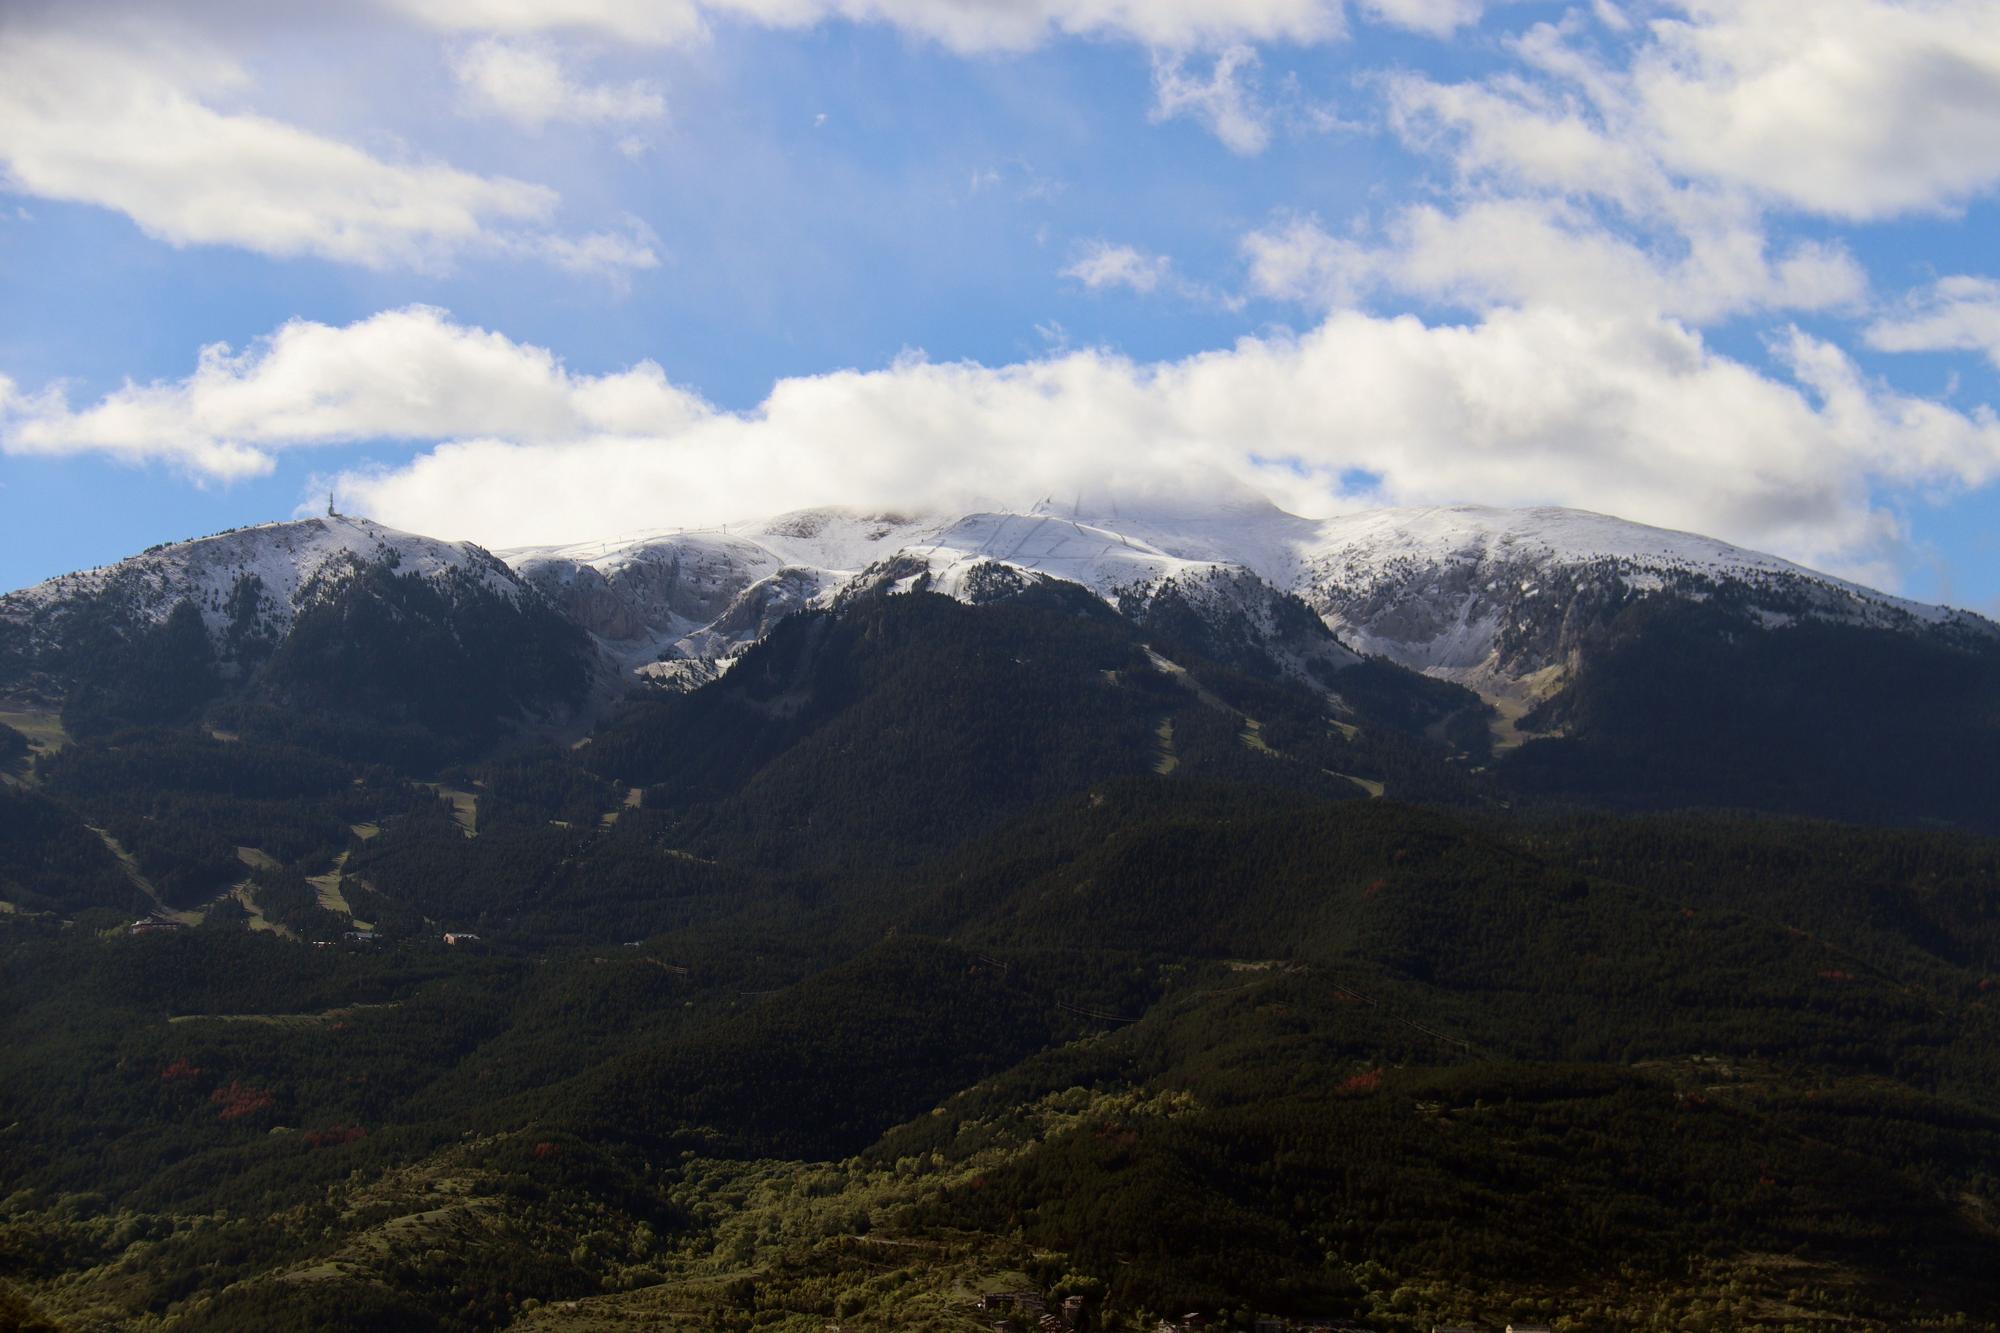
(464, 807)
(287, 1020)
(247, 900)
(130, 864)
(327, 886)
(1369, 785)
(1177, 673)
(1511, 707)
(1168, 760)
(44, 730)
(45, 736)
(256, 859)
(634, 797)
(1252, 737)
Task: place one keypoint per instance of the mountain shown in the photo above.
(334, 618)
(1617, 663)
(1030, 903)
(1495, 597)
(708, 594)
(1491, 597)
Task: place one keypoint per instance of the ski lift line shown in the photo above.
(1026, 537)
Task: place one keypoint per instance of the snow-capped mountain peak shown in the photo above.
(1487, 596)
(279, 564)
(1471, 593)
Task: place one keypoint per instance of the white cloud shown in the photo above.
(525, 82)
(1222, 102)
(1960, 313)
(962, 25)
(1523, 135)
(403, 374)
(1631, 416)
(647, 22)
(611, 256)
(1440, 18)
(1626, 414)
(1854, 109)
(1101, 264)
(1851, 108)
(1297, 261)
(1515, 251)
(1574, 181)
(125, 125)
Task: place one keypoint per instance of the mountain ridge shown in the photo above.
(1547, 619)
(1487, 597)
(1430, 588)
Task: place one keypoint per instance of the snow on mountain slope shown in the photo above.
(1098, 558)
(703, 595)
(1370, 547)
(269, 571)
(1486, 596)
(1474, 594)
(402, 645)
(679, 606)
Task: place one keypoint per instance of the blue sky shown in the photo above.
(536, 273)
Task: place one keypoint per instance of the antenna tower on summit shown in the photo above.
(331, 512)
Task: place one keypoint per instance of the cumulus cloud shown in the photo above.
(1852, 109)
(1223, 101)
(525, 82)
(961, 25)
(1521, 251)
(1621, 166)
(1630, 416)
(1101, 264)
(1627, 414)
(1960, 314)
(126, 123)
(408, 374)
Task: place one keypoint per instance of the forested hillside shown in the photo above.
(939, 950)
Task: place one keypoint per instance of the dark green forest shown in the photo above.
(939, 950)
